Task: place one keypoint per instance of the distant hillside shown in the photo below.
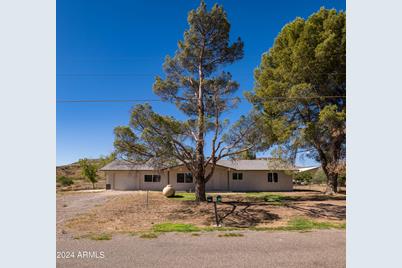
(73, 171)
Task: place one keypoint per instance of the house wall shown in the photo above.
(134, 180)
(252, 180)
(257, 180)
(218, 182)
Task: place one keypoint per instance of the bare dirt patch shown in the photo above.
(129, 213)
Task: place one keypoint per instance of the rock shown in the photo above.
(168, 191)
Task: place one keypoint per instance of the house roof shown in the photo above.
(301, 169)
(257, 164)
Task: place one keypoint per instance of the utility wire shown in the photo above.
(106, 75)
(159, 100)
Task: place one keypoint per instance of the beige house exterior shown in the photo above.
(229, 175)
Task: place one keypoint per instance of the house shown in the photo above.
(229, 175)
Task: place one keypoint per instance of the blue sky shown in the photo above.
(114, 49)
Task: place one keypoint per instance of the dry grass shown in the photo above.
(129, 213)
(230, 235)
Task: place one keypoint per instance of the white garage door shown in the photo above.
(124, 182)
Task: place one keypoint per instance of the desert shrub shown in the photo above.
(65, 181)
(303, 178)
(319, 177)
(342, 179)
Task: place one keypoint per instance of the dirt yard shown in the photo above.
(130, 212)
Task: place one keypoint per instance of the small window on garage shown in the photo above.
(148, 178)
(156, 178)
(237, 176)
(189, 178)
(273, 177)
(180, 177)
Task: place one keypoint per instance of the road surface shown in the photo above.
(324, 248)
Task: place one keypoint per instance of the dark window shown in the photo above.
(272, 177)
(237, 176)
(152, 178)
(148, 178)
(269, 177)
(189, 178)
(156, 178)
(275, 177)
(180, 177)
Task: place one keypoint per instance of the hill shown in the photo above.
(72, 172)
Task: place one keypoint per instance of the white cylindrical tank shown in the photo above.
(168, 191)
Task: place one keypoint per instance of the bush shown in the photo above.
(342, 180)
(65, 181)
(319, 177)
(303, 178)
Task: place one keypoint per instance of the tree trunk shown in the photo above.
(200, 158)
(200, 190)
(329, 168)
(93, 185)
(332, 180)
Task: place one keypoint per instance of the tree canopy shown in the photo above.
(300, 89)
(195, 83)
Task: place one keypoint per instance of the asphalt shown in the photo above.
(324, 248)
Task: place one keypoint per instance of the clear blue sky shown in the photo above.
(114, 49)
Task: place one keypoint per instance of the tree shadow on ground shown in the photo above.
(230, 214)
(241, 214)
(328, 211)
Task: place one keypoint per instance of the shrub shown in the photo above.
(303, 178)
(175, 227)
(65, 181)
(319, 177)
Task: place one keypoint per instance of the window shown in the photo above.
(180, 177)
(237, 176)
(184, 178)
(148, 178)
(152, 178)
(273, 177)
(189, 178)
(156, 178)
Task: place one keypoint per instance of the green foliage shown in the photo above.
(342, 179)
(102, 236)
(295, 86)
(149, 235)
(303, 178)
(319, 177)
(65, 181)
(89, 170)
(231, 235)
(306, 224)
(104, 160)
(274, 198)
(175, 227)
(194, 83)
(246, 155)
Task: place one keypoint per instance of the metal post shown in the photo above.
(147, 199)
(216, 215)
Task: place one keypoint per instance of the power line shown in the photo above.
(66, 75)
(159, 100)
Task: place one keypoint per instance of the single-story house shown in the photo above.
(229, 175)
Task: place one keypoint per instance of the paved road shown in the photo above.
(322, 249)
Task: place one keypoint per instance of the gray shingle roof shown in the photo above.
(258, 164)
(125, 165)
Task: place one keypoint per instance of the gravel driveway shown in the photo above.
(74, 203)
(325, 248)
